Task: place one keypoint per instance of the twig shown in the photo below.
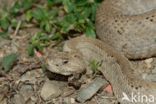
(17, 27)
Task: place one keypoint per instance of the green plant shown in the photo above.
(56, 18)
(8, 19)
(8, 61)
(94, 65)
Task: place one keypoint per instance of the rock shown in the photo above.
(86, 93)
(25, 94)
(18, 99)
(31, 76)
(51, 89)
(150, 77)
(27, 91)
(68, 91)
(154, 71)
(149, 62)
(68, 100)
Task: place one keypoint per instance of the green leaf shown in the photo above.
(52, 2)
(40, 14)
(86, 12)
(93, 11)
(14, 23)
(28, 15)
(47, 27)
(98, 1)
(76, 16)
(68, 23)
(4, 23)
(70, 18)
(53, 14)
(21, 6)
(90, 32)
(81, 2)
(94, 64)
(39, 47)
(68, 6)
(38, 42)
(57, 37)
(26, 4)
(66, 27)
(31, 50)
(16, 8)
(8, 61)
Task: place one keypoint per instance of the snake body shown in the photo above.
(129, 26)
(115, 67)
(128, 31)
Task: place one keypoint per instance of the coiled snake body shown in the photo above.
(126, 27)
(115, 67)
(129, 26)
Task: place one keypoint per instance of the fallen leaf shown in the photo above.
(109, 89)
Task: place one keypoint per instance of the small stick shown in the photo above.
(17, 27)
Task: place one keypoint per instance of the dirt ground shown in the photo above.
(28, 83)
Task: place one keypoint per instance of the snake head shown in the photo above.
(65, 63)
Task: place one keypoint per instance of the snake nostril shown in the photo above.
(65, 61)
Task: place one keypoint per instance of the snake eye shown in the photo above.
(65, 61)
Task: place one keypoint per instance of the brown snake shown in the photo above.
(115, 67)
(125, 27)
(128, 26)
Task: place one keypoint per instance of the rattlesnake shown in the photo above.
(127, 28)
(115, 67)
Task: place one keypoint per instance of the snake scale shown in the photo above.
(127, 30)
(128, 26)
